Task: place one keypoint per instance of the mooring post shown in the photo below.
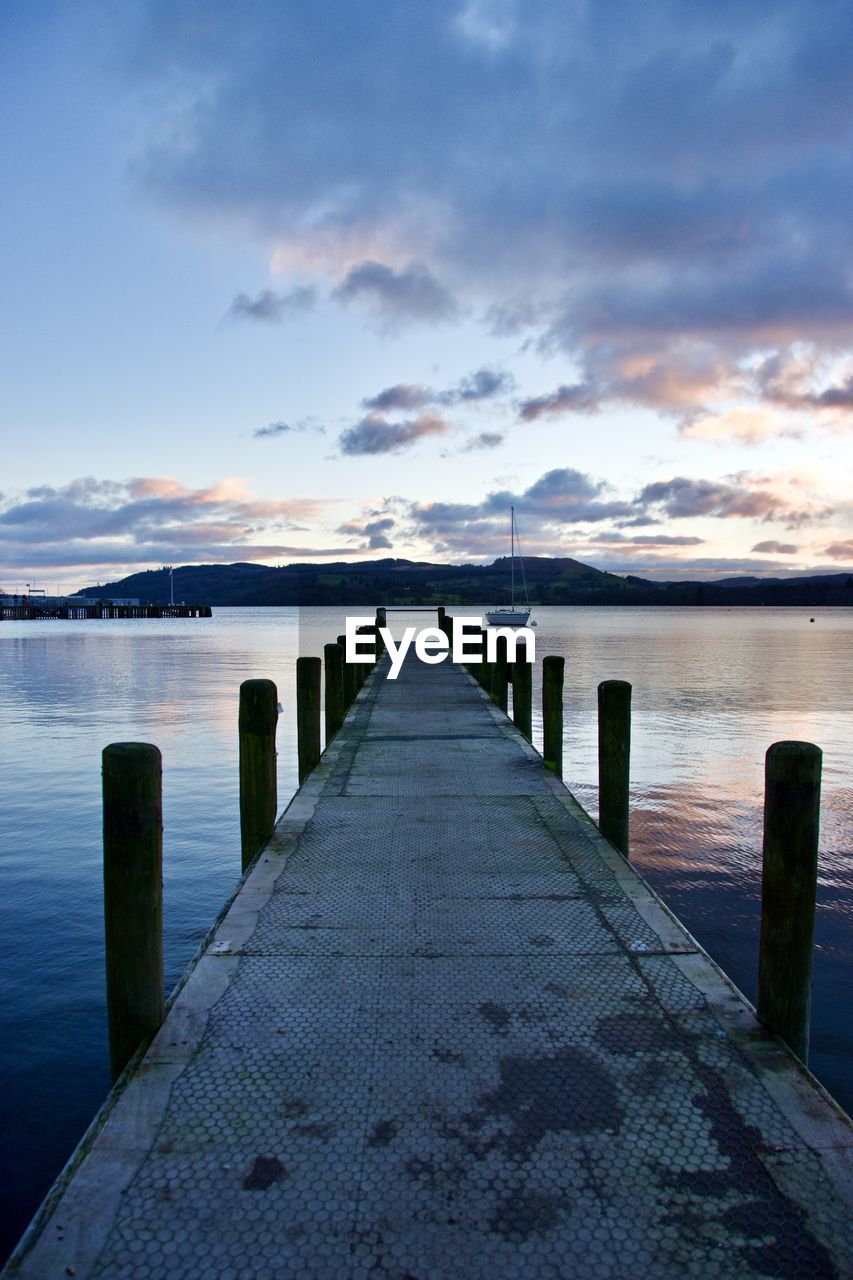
(485, 666)
(500, 674)
(441, 613)
(133, 896)
(552, 712)
(614, 755)
(258, 789)
(350, 685)
(334, 663)
(788, 888)
(522, 691)
(308, 673)
(381, 621)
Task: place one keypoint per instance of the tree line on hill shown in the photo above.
(551, 581)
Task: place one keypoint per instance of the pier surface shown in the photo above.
(444, 1031)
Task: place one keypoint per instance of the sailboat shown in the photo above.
(512, 615)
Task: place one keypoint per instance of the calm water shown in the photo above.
(712, 690)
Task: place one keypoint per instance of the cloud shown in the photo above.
(840, 550)
(275, 429)
(577, 398)
(483, 440)
(739, 426)
(484, 384)
(702, 216)
(395, 297)
(374, 434)
(773, 548)
(374, 532)
(148, 520)
(651, 540)
(753, 498)
(270, 307)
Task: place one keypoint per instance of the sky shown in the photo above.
(286, 281)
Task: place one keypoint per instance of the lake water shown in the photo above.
(713, 688)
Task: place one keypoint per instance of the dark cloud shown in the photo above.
(275, 429)
(374, 434)
(412, 293)
(373, 532)
(271, 307)
(403, 395)
(705, 205)
(484, 384)
(577, 398)
(483, 440)
(681, 498)
(774, 548)
(651, 540)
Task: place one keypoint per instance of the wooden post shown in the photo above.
(788, 887)
(381, 621)
(350, 682)
(308, 672)
(552, 712)
(133, 896)
(442, 613)
(500, 674)
(485, 667)
(258, 793)
(334, 661)
(522, 692)
(614, 754)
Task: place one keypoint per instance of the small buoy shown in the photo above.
(811, 619)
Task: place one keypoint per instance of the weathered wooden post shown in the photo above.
(133, 895)
(500, 674)
(552, 712)
(258, 787)
(788, 888)
(522, 691)
(442, 613)
(334, 663)
(381, 621)
(350, 680)
(308, 673)
(485, 665)
(614, 755)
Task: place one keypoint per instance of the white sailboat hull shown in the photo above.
(507, 617)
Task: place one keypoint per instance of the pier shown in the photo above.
(69, 611)
(444, 1031)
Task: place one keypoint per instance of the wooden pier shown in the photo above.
(444, 1031)
(69, 611)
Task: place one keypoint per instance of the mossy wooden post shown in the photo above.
(133, 896)
(500, 674)
(334, 663)
(614, 756)
(258, 786)
(552, 712)
(522, 691)
(308, 673)
(350, 679)
(788, 887)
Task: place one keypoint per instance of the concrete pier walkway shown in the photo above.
(444, 1031)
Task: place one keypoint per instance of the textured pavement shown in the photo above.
(445, 1032)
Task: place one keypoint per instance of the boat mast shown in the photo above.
(512, 550)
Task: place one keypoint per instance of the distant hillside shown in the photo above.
(551, 581)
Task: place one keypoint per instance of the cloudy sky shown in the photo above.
(286, 280)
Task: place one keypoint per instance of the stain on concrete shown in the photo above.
(569, 1090)
(496, 1016)
(522, 1215)
(314, 1129)
(449, 1056)
(630, 1033)
(264, 1172)
(382, 1133)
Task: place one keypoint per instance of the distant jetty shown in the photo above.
(72, 608)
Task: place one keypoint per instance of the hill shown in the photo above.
(550, 580)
